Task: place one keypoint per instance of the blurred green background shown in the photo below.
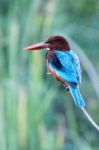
(35, 111)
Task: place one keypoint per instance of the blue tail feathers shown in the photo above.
(74, 90)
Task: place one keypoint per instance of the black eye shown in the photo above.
(50, 42)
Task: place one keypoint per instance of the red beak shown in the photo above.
(37, 46)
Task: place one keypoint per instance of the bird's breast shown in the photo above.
(52, 59)
(54, 74)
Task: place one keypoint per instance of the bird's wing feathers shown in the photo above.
(77, 67)
(70, 70)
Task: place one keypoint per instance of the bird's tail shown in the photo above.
(78, 99)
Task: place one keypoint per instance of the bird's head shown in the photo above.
(52, 43)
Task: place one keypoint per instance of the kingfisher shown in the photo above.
(63, 63)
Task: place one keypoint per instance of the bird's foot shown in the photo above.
(67, 89)
(66, 86)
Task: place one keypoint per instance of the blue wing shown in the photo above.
(70, 70)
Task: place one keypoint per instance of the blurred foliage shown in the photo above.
(35, 111)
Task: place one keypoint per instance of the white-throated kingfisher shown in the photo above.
(63, 63)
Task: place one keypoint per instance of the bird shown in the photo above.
(64, 65)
